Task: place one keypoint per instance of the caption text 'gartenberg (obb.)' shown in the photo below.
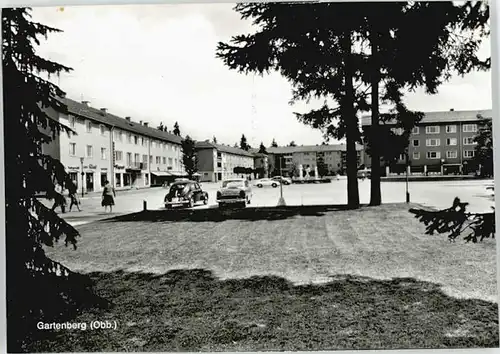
(83, 326)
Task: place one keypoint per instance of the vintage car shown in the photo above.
(266, 182)
(235, 191)
(285, 180)
(185, 193)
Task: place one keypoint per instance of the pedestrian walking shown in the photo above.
(73, 197)
(108, 196)
(59, 199)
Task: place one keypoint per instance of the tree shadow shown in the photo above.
(219, 215)
(193, 310)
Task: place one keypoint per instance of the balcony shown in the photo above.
(137, 165)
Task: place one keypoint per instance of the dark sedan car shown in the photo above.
(186, 194)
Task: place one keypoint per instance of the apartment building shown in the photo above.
(307, 156)
(216, 162)
(442, 142)
(107, 147)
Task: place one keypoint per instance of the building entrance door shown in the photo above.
(89, 177)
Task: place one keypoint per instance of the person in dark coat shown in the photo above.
(73, 197)
(108, 196)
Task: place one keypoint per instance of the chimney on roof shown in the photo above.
(452, 109)
(127, 119)
(146, 124)
(140, 122)
(86, 103)
(104, 110)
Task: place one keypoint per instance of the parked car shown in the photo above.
(234, 191)
(266, 182)
(185, 193)
(365, 173)
(285, 180)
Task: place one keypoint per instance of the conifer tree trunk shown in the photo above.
(375, 193)
(351, 126)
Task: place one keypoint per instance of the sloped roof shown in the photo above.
(82, 110)
(443, 117)
(223, 148)
(309, 148)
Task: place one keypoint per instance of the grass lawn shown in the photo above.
(363, 279)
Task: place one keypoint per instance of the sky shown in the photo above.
(156, 63)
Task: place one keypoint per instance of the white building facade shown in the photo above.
(110, 148)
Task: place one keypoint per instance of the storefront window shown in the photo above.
(126, 179)
(118, 181)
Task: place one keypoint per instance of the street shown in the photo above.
(435, 194)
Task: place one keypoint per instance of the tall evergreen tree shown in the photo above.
(38, 288)
(311, 46)
(243, 143)
(161, 127)
(262, 148)
(484, 147)
(448, 44)
(177, 130)
(292, 143)
(189, 156)
(274, 144)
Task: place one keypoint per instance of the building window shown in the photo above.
(469, 153)
(72, 149)
(219, 164)
(88, 124)
(433, 154)
(469, 140)
(102, 129)
(416, 142)
(175, 163)
(146, 179)
(144, 158)
(415, 130)
(158, 160)
(136, 140)
(402, 157)
(104, 178)
(432, 129)
(416, 155)
(164, 160)
(129, 159)
(397, 131)
(451, 141)
(150, 159)
(118, 180)
(104, 154)
(72, 121)
(470, 128)
(119, 135)
(451, 128)
(452, 154)
(164, 146)
(90, 151)
(433, 142)
(118, 155)
(129, 138)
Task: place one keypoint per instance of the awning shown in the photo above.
(161, 173)
(177, 174)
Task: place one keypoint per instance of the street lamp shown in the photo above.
(281, 201)
(83, 174)
(407, 177)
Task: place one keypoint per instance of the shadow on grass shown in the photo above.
(192, 310)
(217, 214)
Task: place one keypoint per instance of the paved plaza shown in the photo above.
(434, 194)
